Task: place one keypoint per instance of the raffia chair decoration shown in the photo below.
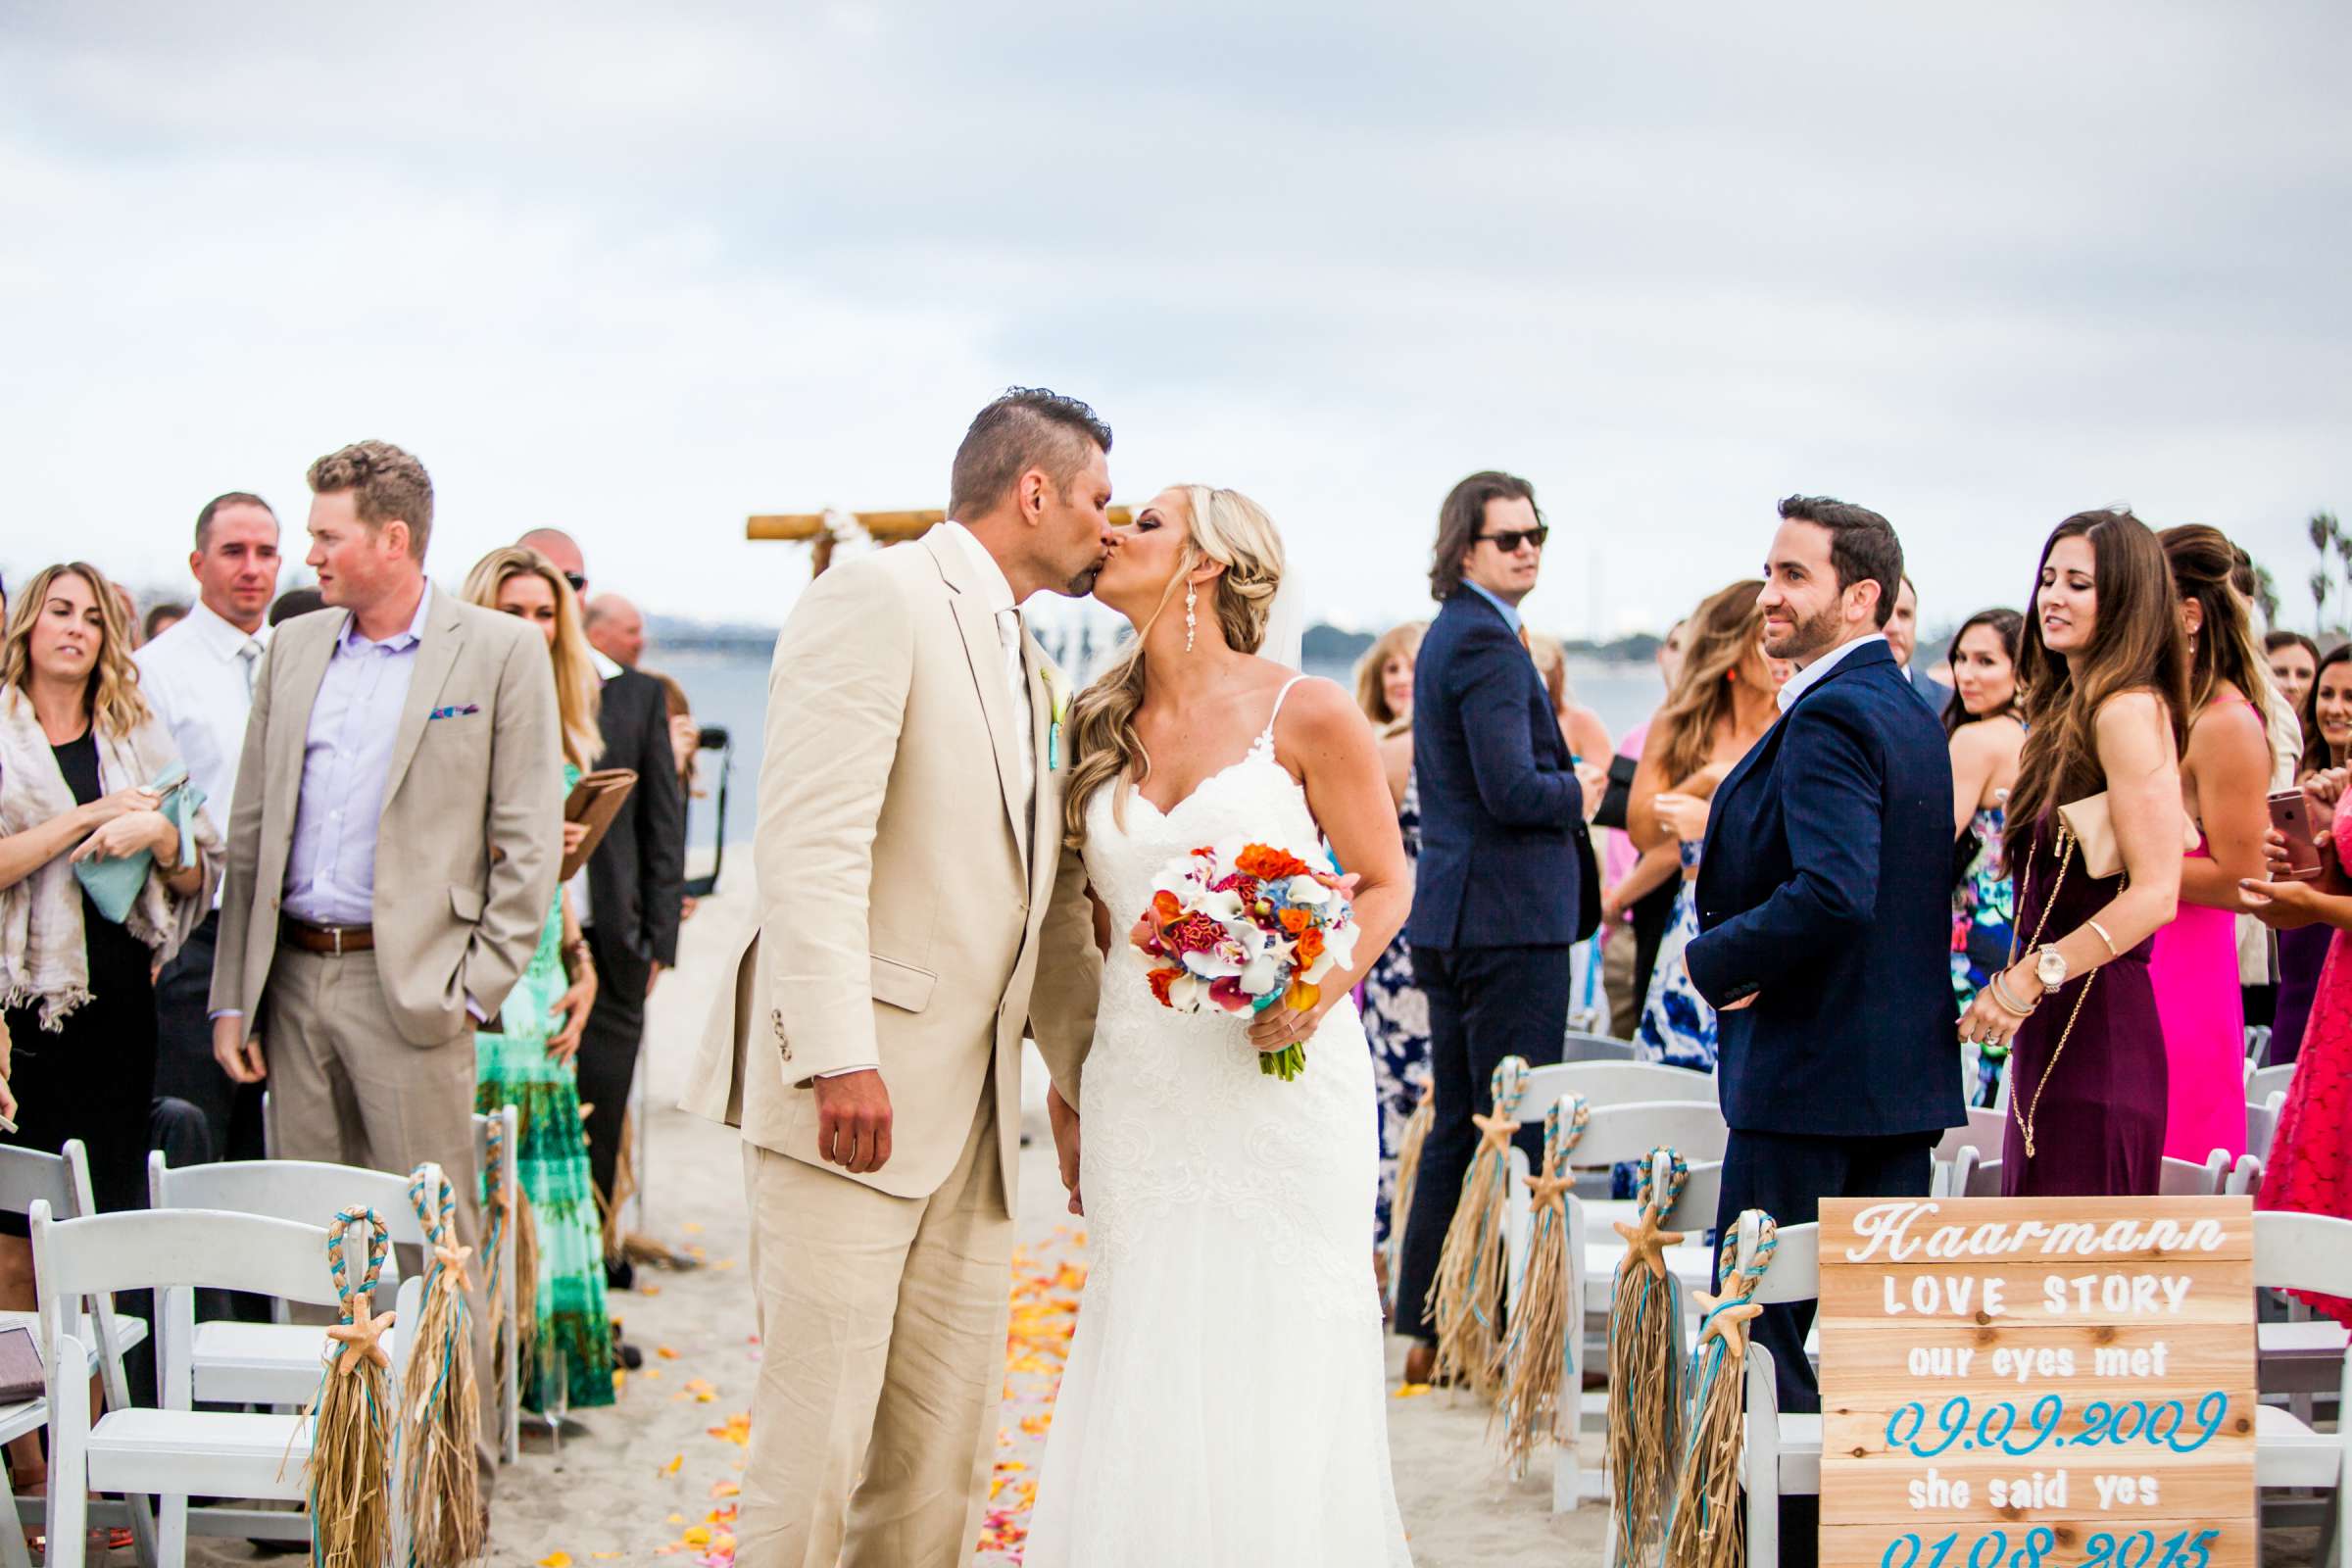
(1409, 1144)
(1705, 1526)
(350, 1469)
(441, 1409)
(1646, 1362)
(1539, 1398)
(1466, 1297)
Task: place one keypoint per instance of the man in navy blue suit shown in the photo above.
(1825, 913)
(1505, 884)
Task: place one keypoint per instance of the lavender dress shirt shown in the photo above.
(347, 755)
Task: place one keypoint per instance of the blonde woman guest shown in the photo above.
(1395, 1013)
(77, 747)
(1982, 724)
(526, 1060)
(1727, 696)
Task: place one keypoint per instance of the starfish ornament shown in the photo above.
(360, 1339)
(1498, 1130)
(1550, 1192)
(453, 1265)
(1645, 1241)
(1729, 1324)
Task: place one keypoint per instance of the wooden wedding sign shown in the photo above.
(2037, 1383)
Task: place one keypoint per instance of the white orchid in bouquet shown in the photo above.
(1239, 928)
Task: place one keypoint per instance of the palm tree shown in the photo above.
(2324, 530)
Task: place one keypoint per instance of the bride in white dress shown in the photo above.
(1225, 1399)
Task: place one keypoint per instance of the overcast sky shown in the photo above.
(638, 270)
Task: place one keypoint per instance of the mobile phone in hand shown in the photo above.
(2290, 815)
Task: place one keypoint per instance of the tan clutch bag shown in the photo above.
(2095, 834)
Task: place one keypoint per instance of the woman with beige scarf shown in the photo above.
(77, 749)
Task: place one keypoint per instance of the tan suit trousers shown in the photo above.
(347, 1087)
(882, 1365)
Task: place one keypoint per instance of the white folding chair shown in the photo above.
(1595, 1250)
(2262, 1120)
(2179, 1178)
(63, 1181)
(2306, 1252)
(1613, 1082)
(234, 1362)
(174, 1452)
(509, 1390)
(1981, 1132)
(2263, 1082)
(1580, 1046)
(1616, 1134)
(1783, 1448)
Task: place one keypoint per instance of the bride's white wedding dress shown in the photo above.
(1225, 1399)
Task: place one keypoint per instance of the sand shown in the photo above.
(637, 1477)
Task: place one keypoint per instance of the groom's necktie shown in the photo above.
(1016, 680)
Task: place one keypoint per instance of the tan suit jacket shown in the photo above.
(471, 833)
(904, 878)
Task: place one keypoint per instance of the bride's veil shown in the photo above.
(1286, 624)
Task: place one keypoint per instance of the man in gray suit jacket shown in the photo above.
(400, 794)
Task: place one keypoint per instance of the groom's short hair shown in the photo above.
(1863, 546)
(1028, 428)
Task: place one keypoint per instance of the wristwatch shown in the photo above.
(2049, 967)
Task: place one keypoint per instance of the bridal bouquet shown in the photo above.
(1241, 927)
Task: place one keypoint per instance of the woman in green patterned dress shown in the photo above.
(527, 1063)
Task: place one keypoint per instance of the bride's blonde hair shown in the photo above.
(1225, 526)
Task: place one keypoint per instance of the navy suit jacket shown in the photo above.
(1825, 892)
(1505, 861)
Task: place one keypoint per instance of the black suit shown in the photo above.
(1824, 894)
(635, 881)
(1504, 885)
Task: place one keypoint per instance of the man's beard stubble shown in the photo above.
(1809, 639)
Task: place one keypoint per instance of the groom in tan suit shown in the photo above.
(909, 841)
(392, 849)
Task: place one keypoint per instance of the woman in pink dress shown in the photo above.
(2309, 1169)
(2223, 782)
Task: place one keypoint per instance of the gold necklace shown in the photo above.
(2025, 1118)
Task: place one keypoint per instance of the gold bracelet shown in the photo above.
(2112, 950)
(2002, 995)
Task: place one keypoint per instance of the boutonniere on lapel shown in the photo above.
(455, 710)
(1057, 712)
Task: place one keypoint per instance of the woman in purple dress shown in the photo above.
(2105, 667)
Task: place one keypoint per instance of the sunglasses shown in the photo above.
(1509, 541)
(579, 584)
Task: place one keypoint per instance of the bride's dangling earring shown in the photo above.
(1191, 595)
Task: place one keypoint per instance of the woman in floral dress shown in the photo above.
(527, 1061)
(1394, 1011)
(1986, 737)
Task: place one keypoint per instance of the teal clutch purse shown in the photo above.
(114, 884)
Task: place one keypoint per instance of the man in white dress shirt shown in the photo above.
(199, 677)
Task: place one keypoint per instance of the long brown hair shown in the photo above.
(578, 692)
(2006, 624)
(1723, 634)
(2136, 645)
(112, 698)
(2203, 562)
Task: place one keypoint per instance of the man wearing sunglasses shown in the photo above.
(1506, 883)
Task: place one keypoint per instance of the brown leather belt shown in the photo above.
(334, 940)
